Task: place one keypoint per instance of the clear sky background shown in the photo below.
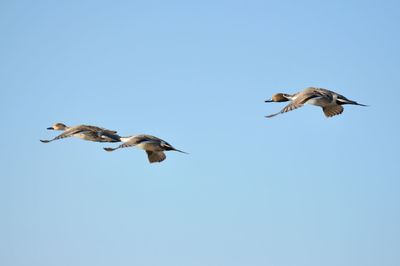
(295, 190)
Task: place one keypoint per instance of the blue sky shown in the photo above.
(298, 189)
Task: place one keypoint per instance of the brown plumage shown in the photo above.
(153, 146)
(331, 102)
(85, 132)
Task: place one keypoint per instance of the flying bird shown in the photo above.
(153, 146)
(331, 102)
(85, 132)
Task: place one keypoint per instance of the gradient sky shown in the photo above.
(295, 190)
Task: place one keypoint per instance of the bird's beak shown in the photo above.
(269, 101)
(50, 128)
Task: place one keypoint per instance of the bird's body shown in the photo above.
(85, 132)
(153, 146)
(331, 102)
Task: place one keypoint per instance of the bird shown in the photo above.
(153, 146)
(331, 102)
(85, 132)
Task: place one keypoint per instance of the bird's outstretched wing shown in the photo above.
(332, 110)
(156, 156)
(69, 133)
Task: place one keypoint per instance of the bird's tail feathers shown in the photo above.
(179, 151)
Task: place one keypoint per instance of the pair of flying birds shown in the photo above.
(153, 146)
(331, 103)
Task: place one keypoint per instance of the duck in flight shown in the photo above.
(153, 146)
(85, 132)
(331, 102)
